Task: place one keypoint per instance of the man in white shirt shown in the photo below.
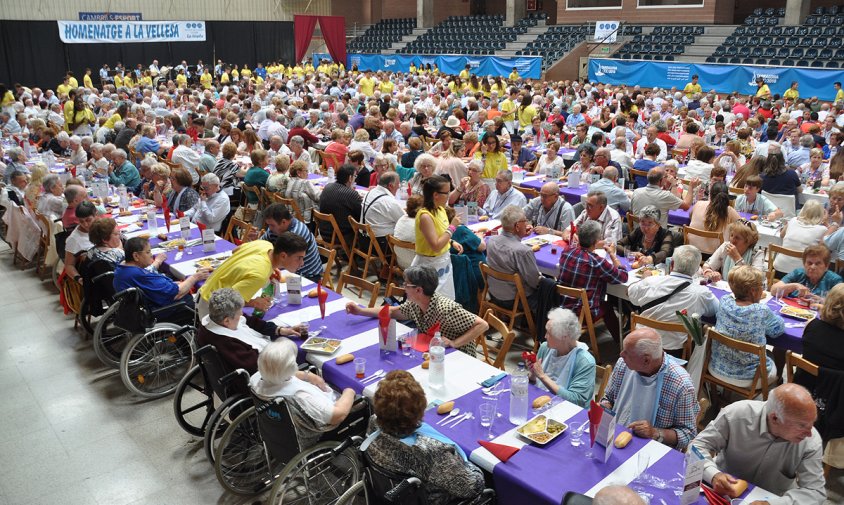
(650, 138)
(277, 129)
(263, 129)
(380, 208)
(505, 194)
(598, 210)
(185, 156)
(661, 297)
(653, 194)
(213, 205)
(619, 153)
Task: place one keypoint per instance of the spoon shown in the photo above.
(374, 375)
(454, 412)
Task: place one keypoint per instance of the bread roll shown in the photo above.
(623, 439)
(345, 358)
(445, 408)
(542, 400)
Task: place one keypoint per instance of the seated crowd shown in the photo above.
(413, 157)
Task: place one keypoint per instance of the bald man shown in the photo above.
(771, 444)
(651, 392)
(549, 213)
(617, 495)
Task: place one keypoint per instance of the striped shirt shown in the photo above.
(313, 268)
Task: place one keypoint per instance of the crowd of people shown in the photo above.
(428, 150)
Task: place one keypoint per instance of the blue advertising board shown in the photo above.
(722, 78)
(528, 67)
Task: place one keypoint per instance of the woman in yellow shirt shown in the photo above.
(118, 80)
(181, 79)
(433, 233)
(792, 93)
(245, 72)
(128, 82)
(526, 112)
(86, 79)
(492, 157)
(474, 85)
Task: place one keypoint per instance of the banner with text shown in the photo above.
(722, 78)
(606, 31)
(527, 67)
(111, 16)
(119, 32)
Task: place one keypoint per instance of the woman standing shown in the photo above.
(433, 233)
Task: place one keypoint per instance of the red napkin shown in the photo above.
(595, 413)
(180, 214)
(409, 191)
(322, 296)
(793, 302)
(423, 339)
(166, 214)
(500, 451)
(201, 227)
(528, 357)
(384, 322)
(73, 170)
(712, 497)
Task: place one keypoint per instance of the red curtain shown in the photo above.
(303, 30)
(334, 32)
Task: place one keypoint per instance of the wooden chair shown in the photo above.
(43, 244)
(636, 173)
(793, 360)
(72, 291)
(394, 291)
(394, 244)
(587, 324)
(250, 212)
(373, 251)
(363, 285)
(337, 241)
(704, 404)
(602, 378)
(773, 250)
(237, 231)
(736, 191)
(529, 193)
(328, 255)
(759, 383)
(689, 231)
(267, 198)
(632, 222)
(678, 327)
(520, 305)
(290, 203)
(508, 334)
(327, 160)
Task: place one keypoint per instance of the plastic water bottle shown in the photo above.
(519, 395)
(151, 220)
(331, 176)
(436, 370)
(124, 197)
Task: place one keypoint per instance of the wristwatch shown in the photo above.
(659, 437)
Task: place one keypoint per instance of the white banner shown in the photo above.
(118, 32)
(606, 31)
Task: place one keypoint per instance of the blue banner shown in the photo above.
(528, 67)
(722, 78)
(119, 32)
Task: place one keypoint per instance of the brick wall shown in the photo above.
(712, 11)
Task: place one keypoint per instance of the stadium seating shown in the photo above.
(663, 43)
(554, 43)
(477, 35)
(382, 35)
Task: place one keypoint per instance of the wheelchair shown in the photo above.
(155, 354)
(208, 398)
(97, 293)
(380, 486)
(261, 448)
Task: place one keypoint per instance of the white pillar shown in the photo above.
(516, 10)
(796, 11)
(424, 13)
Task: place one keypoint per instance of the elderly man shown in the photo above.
(581, 267)
(125, 132)
(17, 163)
(505, 194)
(340, 199)
(651, 138)
(653, 194)
(390, 132)
(122, 171)
(651, 392)
(800, 156)
(661, 297)
(74, 195)
(507, 254)
(16, 186)
(278, 219)
(549, 213)
(598, 211)
(208, 160)
(616, 197)
(619, 155)
(772, 444)
(213, 205)
(185, 156)
(380, 208)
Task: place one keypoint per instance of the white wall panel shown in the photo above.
(152, 10)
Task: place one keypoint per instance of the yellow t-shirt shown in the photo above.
(146, 80)
(205, 80)
(386, 87)
(464, 74)
(514, 76)
(63, 89)
(235, 74)
(526, 115)
(763, 91)
(247, 271)
(440, 225)
(88, 83)
(181, 80)
(245, 72)
(791, 94)
(298, 70)
(259, 80)
(508, 109)
(118, 81)
(412, 69)
(691, 89)
(840, 95)
(73, 82)
(8, 99)
(494, 163)
(367, 86)
(224, 79)
(128, 82)
(113, 119)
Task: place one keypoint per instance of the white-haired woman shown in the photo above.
(297, 148)
(315, 407)
(301, 190)
(78, 156)
(425, 165)
(52, 203)
(800, 232)
(360, 142)
(563, 365)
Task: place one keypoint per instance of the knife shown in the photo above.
(456, 420)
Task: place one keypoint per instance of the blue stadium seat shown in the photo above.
(710, 59)
(817, 64)
(802, 63)
(832, 64)
(773, 61)
(760, 61)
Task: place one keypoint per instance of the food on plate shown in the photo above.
(535, 425)
(540, 437)
(124, 213)
(483, 218)
(555, 427)
(345, 358)
(536, 248)
(426, 364)
(635, 264)
(174, 222)
(445, 408)
(173, 244)
(797, 313)
(313, 293)
(542, 400)
(321, 345)
(162, 236)
(623, 439)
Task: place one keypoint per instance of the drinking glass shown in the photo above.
(487, 416)
(409, 342)
(360, 368)
(576, 434)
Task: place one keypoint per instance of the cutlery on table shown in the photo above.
(451, 415)
(455, 420)
(375, 375)
(468, 415)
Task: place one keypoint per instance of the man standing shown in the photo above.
(505, 194)
(507, 254)
(772, 444)
(278, 219)
(549, 213)
(651, 392)
(692, 88)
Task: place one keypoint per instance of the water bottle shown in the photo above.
(124, 197)
(331, 176)
(519, 395)
(436, 370)
(151, 220)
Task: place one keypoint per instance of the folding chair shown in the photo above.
(362, 284)
(586, 322)
(394, 244)
(364, 233)
(520, 305)
(773, 251)
(759, 383)
(677, 327)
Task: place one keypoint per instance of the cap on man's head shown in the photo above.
(515, 138)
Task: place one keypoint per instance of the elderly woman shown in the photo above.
(425, 165)
(800, 232)
(813, 278)
(471, 189)
(147, 142)
(563, 365)
(158, 290)
(586, 164)
(237, 337)
(301, 190)
(550, 164)
(815, 169)
(314, 406)
(361, 143)
(229, 172)
(650, 243)
(458, 327)
(107, 244)
(52, 202)
(78, 156)
(97, 164)
(380, 165)
(414, 145)
(741, 316)
(404, 444)
(741, 249)
(298, 151)
(443, 145)
(182, 197)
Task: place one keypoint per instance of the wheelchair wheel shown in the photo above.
(353, 495)
(193, 403)
(109, 340)
(241, 461)
(153, 363)
(317, 476)
(219, 422)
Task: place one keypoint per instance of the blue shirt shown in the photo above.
(126, 174)
(645, 165)
(147, 145)
(525, 156)
(823, 286)
(798, 157)
(158, 289)
(313, 267)
(835, 242)
(750, 323)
